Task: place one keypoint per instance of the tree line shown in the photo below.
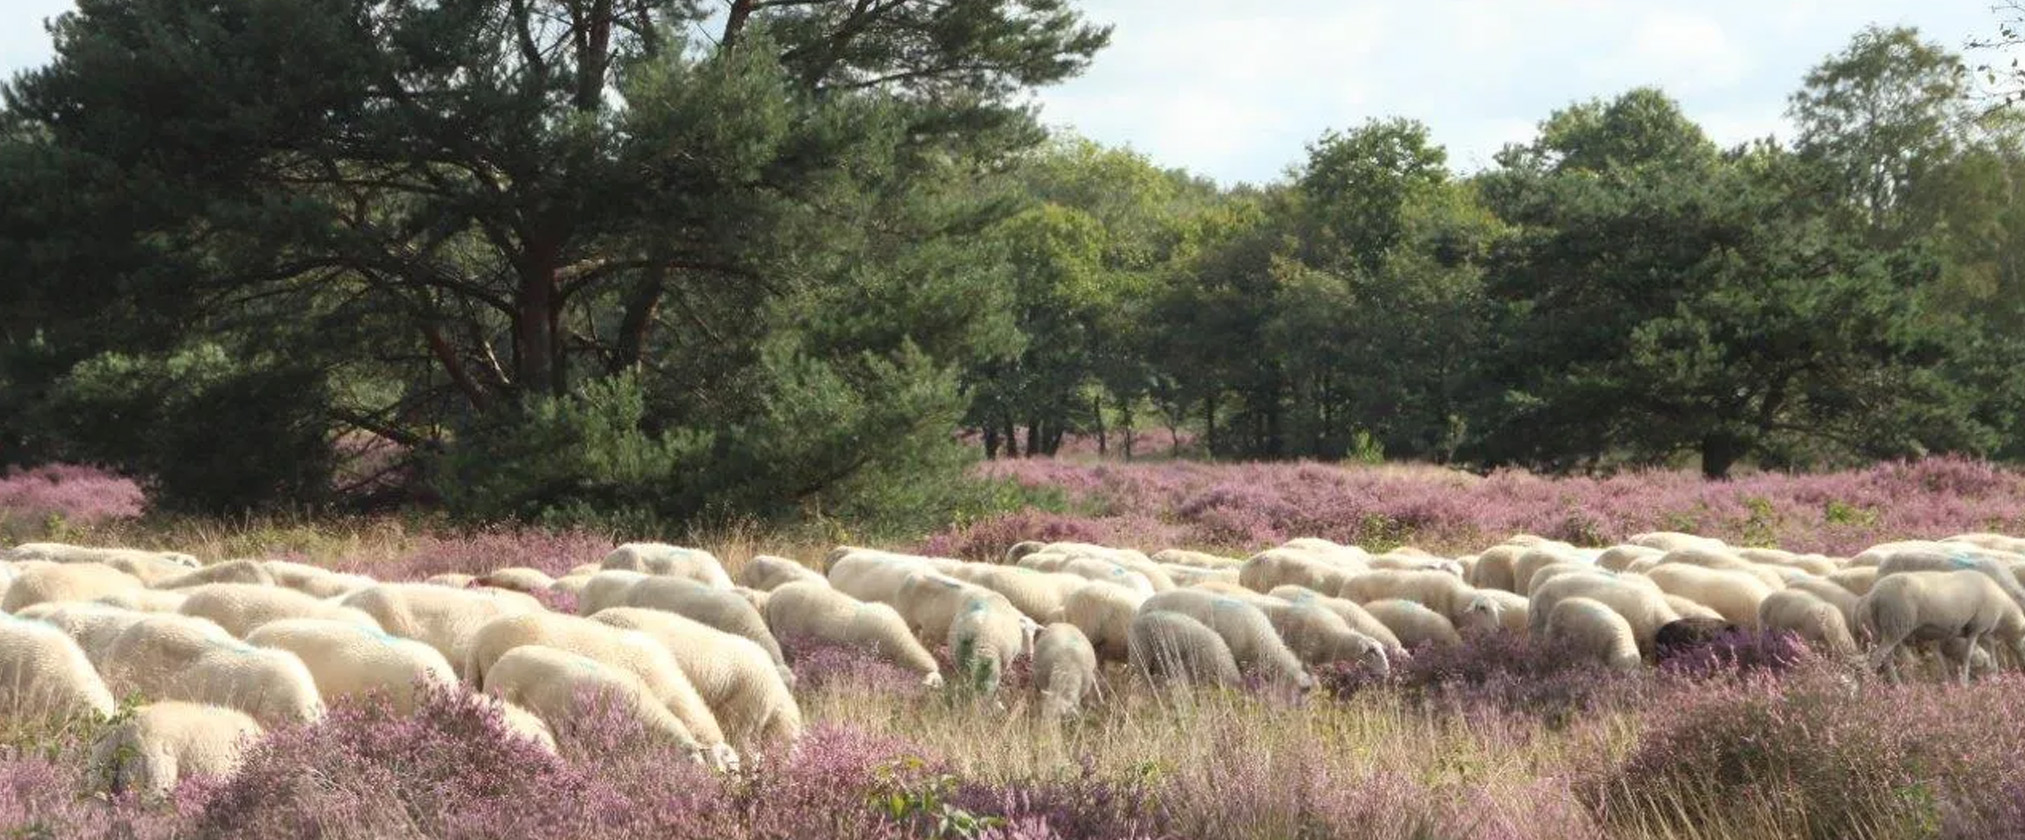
(686, 261)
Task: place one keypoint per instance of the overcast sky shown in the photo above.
(1234, 88)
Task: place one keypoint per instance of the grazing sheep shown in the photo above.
(1814, 620)
(1413, 624)
(1091, 568)
(1444, 593)
(350, 661)
(92, 625)
(1857, 580)
(1994, 542)
(454, 580)
(1244, 627)
(65, 582)
(43, 673)
(1813, 564)
(1827, 590)
(869, 575)
(766, 572)
(167, 742)
(1689, 608)
(985, 638)
(756, 597)
(1540, 557)
(1196, 559)
(1277, 567)
(148, 566)
(744, 688)
(1635, 598)
(230, 571)
(1722, 560)
(145, 600)
(1172, 647)
(664, 559)
(178, 657)
(1685, 635)
(931, 601)
(1193, 576)
(323, 583)
(1131, 559)
(1595, 631)
(1998, 568)
(517, 579)
(810, 609)
(1495, 610)
(1042, 596)
(1321, 637)
(1496, 568)
(1104, 613)
(1353, 614)
(438, 616)
(1733, 594)
(629, 651)
(1065, 668)
(242, 607)
(552, 683)
(724, 609)
(1965, 605)
(1675, 541)
(1617, 558)
(1019, 550)
(518, 722)
(1554, 570)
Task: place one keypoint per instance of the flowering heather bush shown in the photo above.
(1244, 507)
(1820, 755)
(475, 552)
(1505, 673)
(1742, 653)
(820, 665)
(77, 495)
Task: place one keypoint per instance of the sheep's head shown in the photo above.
(723, 758)
(1029, 629)
(1482, 613)
(932, 680)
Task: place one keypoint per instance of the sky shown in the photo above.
(1235, 89)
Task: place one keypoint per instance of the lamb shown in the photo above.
(1637, 599)
(350, 661)
(1965, 605)
(1814, 620)
(814, 610)
(1495, 610)
(664, 559)
(1244, 628)
(1104, 613)
(242, 607)
(230, 571)
(550, 682)
(741, 684)
(321, 583)
(766, 572)
(438, 616)
(1735, 595)
(169, 741)
(1413, 624)
(517, 579)
(629, 651)
(145, 600)
(1042, 596)
(1353, 614)
(1170, 646)
(723, 609)
(1594, 630)
(1065, 668)
(65, 582)
(1196, 559)
(43, 673)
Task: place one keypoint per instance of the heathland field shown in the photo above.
(1488, 727)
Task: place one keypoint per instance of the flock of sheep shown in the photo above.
(669, 639)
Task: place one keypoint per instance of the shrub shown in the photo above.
(1508, 673)
(61, 495)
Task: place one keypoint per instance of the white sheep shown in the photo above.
(870, 575)
(65, 582)
(743, 687)
(1496, 611)
(930, 601)
(1065, 668)
(319, 582)
(1496, 568)
(230, 571)
(815, 610)
(518, 722)
(517, 579)
(627, 650)
(1170, 646)
(1618, 558)
(1998, 567)
(92, 625)
(766, 572)
(1813, 564)
(1734, 594)
(552, 683)
(1594, 630)
(664, 559)
(1413, 623)
(1723, 560)
(1353, 614)
(1674, 541)
(1090, 568)
(453, 580)
(1554, 570)
(1814, 620)
(1540, 557)
(1244, 627)
(1196, 559)
(1444, 593)
(242, 607)
(1276, 567)
(441, 617)
(43, 673)
(166, 742)
(350, 661)
(177, 657)
(1042, 596)
(148, 566)
(145, 600)
(1857, 579)
(1690, 608)
(1636, 598)
(1842, 599)
(1963, 606)
(724, 609)
(1192, 576)
(1104, 613)
(1319, 636)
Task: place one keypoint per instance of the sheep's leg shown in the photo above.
(1881, 658)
